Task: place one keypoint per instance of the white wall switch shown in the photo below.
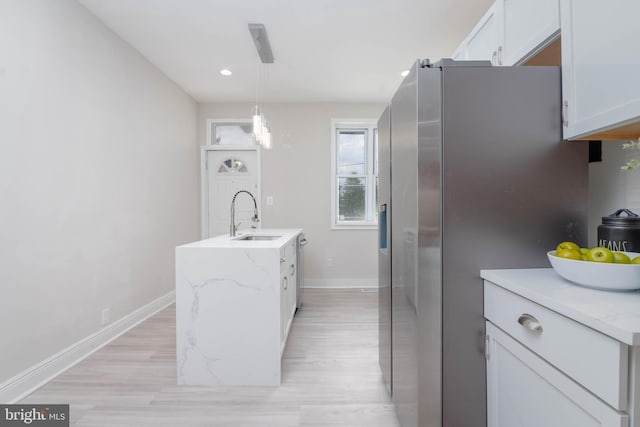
(269, 200)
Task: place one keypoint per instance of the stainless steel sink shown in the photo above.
(258, 237)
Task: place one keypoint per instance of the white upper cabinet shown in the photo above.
(512, 31)
(527, 26)
(600, 68)
(483, 41)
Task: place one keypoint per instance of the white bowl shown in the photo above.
(598, 275)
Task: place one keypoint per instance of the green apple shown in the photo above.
(600, 254)
(567, 245)
(569, 254)
(620, 258)
(583, 251)
(636, 260)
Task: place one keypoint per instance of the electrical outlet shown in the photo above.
(106, 313)
(329, 262)
(269, 200)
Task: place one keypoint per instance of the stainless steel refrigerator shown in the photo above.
(473, 174)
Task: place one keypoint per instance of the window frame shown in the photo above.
(371, 178)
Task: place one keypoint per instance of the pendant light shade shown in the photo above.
(267, 140)
(257, 124)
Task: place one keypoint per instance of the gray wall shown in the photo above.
(297, 173)
(98, 178)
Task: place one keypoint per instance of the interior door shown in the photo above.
(229, 171)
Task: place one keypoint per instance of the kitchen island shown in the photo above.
(235, 300)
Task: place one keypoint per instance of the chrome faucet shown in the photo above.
(233, 228)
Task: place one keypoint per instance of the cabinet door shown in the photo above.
(292, 287)
(484, 39)
(527, 26)
(284, 318)
(525, 391)
(600, 65)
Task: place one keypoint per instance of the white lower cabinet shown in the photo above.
(288, 267)
(545, 369)
(524, 390)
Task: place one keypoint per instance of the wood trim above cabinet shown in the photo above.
(628, 131)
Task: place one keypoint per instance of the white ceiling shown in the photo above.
(324, 50)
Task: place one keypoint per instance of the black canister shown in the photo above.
(620, 232)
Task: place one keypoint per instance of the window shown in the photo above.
(354, 173)
(230, 132)
(232, 165)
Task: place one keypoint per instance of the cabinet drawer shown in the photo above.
(594, 360)
(525, 391)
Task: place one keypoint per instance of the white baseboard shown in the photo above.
(26, 382)
(368, 283)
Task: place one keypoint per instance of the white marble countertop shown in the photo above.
(225, 241)
(616, 314)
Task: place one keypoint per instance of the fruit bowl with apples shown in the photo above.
(598, 267)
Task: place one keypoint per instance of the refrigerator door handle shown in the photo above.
(383, 228)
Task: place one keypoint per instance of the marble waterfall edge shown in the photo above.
(227, 313)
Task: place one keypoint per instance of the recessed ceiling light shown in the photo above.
(225, 72)
(405, 73)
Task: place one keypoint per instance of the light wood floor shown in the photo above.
(330, 376)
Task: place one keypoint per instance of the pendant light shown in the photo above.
(261, 130)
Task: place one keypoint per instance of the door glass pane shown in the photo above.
(232, 134)
(351, 151)
(351, 199)
(233, 165)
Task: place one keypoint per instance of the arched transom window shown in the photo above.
(232, 165)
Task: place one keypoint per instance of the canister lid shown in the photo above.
(622, 217)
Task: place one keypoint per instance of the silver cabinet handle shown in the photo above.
(282, 260)
(292, 269)
(303, 242)
(530, 322)
(499, 55)
(286, 282)
(494, 55)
